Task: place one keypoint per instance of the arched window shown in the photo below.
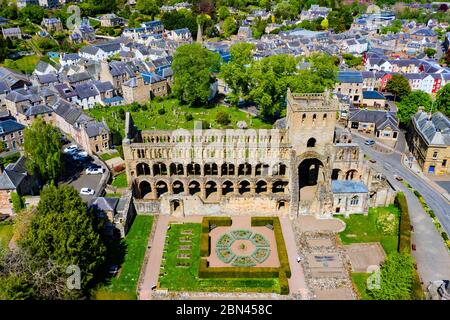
(324, 118)
(303, 117)
(354, 201)
(311, 143)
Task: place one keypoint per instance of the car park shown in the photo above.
(87, 191)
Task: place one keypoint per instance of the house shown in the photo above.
(244, 33)
(314, 12)
(143, 88)
(46, 80)
(111, 20)
(52, 24)
(12, 79)
(83, 32)
(48, 4)
(43, 67)
(15, 178)
(350, 83)
(12, 33)
(424, 34)
(3, 21)
(382, 124)
(11, 135)
(349, 196)
(87, 95)
(430, 142)
(179, 35)
(69, 59)
(373, 99)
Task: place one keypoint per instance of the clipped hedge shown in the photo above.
(404, 244)
(284, 284)
(261, 221)
(236, 272)
(205, 239)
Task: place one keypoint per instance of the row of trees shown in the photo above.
(264, 81)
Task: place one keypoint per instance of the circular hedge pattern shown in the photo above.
(225, 253)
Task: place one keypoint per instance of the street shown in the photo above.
(434, 199)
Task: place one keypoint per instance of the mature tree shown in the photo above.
(324, 24)
(398, 85)
(351, 60)
(285, 10)
(64, 231)
(340, 20)
(430, 52)
(411, 103)
(3, 48)
(17, 202)
(229, 26)
(42, 147)
(443, 100)
(396, 278)
(192, 66)
(223, 13)
(148, 7)
(180, 19)
(236, 72)
(34, 13)
(24, 276)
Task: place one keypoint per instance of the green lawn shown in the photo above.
(124, 285)
(6, 233)
(361, 228)
(360, 281)
(185, 279)
(25, 64)
(113, 195)
(120, 181)
(107, 156)
(174, 116)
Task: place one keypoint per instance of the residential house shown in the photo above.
(144, 87)
(11, 135)
(430, 142)
(350, 83)
(180, 35)
(69, 59)
(23, 3)
(52, 24)
(111, 20)
(12, 33)
(48, 4)
(13, 79)
(373, 99)
(87, 95)
(314, 12)
(381, 124)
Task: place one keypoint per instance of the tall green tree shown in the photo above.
(396, 278)
(398, 85)
(64, 231)
(33, 12)
(192, 67)
(229, 26)
(148, 7)
(42, 148)
(443, 100)
(3, 48)
(236, 72)
(410, 105)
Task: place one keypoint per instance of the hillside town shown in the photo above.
(308, 119)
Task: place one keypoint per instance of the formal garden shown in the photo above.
(184, 265)
(124, 284)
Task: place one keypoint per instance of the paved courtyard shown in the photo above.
(363, 255)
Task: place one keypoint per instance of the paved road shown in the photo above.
(434, 199)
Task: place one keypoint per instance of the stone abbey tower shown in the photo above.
(304, 165)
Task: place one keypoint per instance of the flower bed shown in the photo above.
(242, 261)
(225, 254)
(261, 254)
(225, 240)
(241, 234)
(259, 240)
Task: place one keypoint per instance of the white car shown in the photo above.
(83, 154)
(87, 191)
(70, 149)
(94, 170)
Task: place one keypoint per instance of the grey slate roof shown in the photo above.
(86, 90)
(435, 130)
(37, 109)
(94, 129)
(9, 126)
(13, 175)
(380, 118)
(348, 186)
(104, 204)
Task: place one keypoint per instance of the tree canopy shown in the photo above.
(64, 231)
(192, 67)
(411, 103)
(42, 148)
(398, 85)
(443, 100)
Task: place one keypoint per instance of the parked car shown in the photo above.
(70, 149)
(398, 177)
(373, 160)
(369, 142)
(92, 170)
(87, 191)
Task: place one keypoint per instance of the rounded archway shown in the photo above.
(279, 169)
(159, 168)
(261, 169)
(176, 169)
(261, 187)
(245, 169)
(161, 188)
(227, 187)
(336, 174)
(244, 187)
(351, 175)
(142, 169)
(210, 189)
(177, 187)
(227, 169)
(311, 143)
(279, 186)
(193, 169)
(194, 187)
(310, 171)
(211, 169)
(144, 189)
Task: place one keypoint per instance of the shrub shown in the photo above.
(188, 117)
(161, 111)
(223, 118)
(144, 107)
(121, 113)
(17, 202)
(134, 107)
(235, 272)
(444, 236)
(284, 284)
